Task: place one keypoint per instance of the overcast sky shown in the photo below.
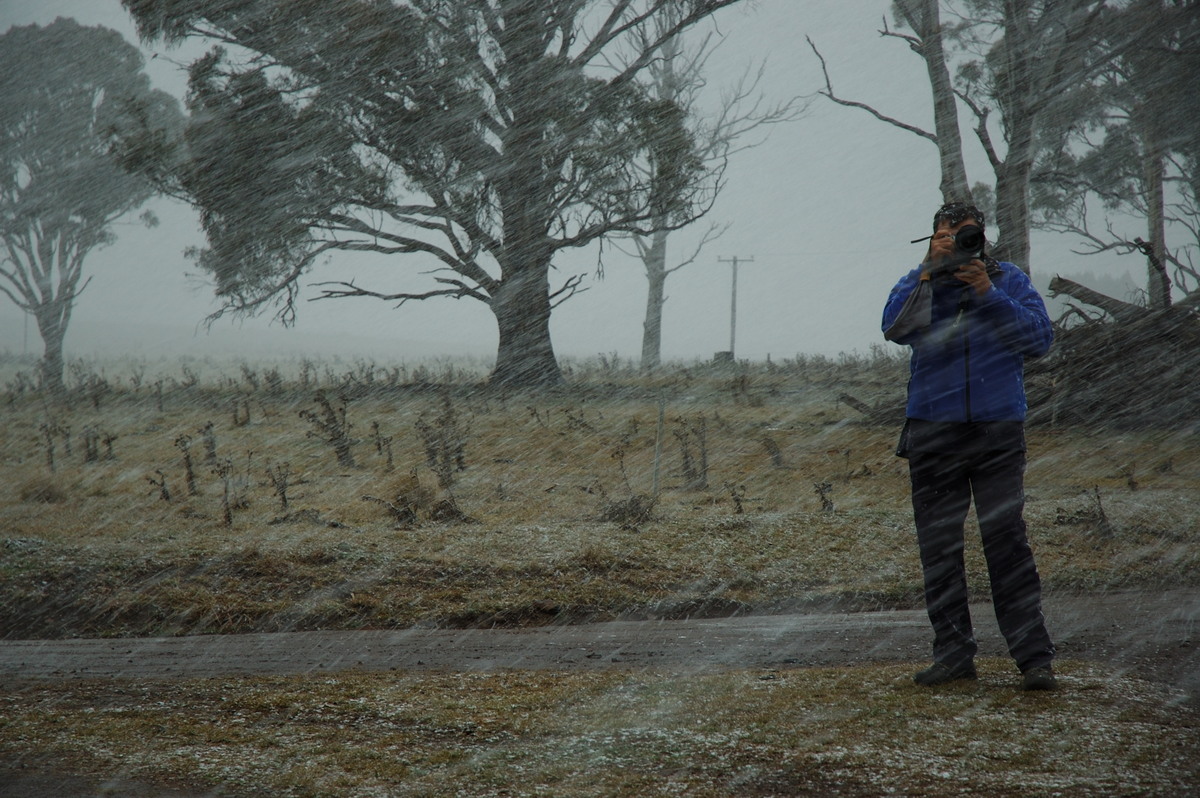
(825, 208)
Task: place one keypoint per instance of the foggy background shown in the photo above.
(825, 207)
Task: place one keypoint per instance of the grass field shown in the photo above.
(845, 731)
(197, 498)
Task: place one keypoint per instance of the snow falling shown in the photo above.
(499, 406)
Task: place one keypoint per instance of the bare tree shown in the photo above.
(923, 18)
(1029, 54)
(679, 77)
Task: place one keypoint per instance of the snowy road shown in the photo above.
(1155, 634)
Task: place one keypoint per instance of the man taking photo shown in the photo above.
(971, 322)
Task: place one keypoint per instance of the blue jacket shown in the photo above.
(968, 364)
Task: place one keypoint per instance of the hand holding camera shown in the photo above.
(955, 256)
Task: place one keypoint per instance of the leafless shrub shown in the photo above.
(309, 379)
(273, 381)
(21, 384)
(537, 416)
(93, 386)
(402, 510)
(91, 445)
(224, 471)
(183, 443)
(209, 435)
(250, 376)
(383, 446)
(1128, 474)
(1093, 516)
(823, 490)
(190, 378)
(241, 410)
(278, 474)
(444, 442)
(693, 451)
(739, 386)
(576, 420)
(164, 493)
(47, 430)
(737, 495)
(411, 503)
(331, 426)
(630, 513)
(233, 495)
(773, 450)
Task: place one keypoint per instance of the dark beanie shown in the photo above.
(954, 213)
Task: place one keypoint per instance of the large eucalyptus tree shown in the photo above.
(469, 141)
(65, 91)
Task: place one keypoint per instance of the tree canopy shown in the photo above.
(481, 136)
(1125, 144)
(65, 92)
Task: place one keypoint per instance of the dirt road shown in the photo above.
(1156, 634)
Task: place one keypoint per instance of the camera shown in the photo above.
(969, 242)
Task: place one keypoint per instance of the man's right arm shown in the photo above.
(898, 305)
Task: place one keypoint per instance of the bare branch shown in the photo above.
(829, 93)
(981, 128)
(714, 232)
(569, 289)
(457, 290)
(914, 42)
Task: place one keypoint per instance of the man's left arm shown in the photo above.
(1019, 314)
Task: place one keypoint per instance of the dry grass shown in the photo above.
(552, 520)
(856, 731)
(549, 517)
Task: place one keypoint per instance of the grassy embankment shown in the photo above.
(463, 506)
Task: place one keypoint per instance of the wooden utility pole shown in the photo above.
(735, 260)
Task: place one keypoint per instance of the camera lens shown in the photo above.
(969, 239)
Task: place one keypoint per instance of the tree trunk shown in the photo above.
(53, 330)
(655, 260)
(1012, 207)
(1016, 78)
(1158, 283)
(1118, 309)
(525, 355)
(923, 17)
